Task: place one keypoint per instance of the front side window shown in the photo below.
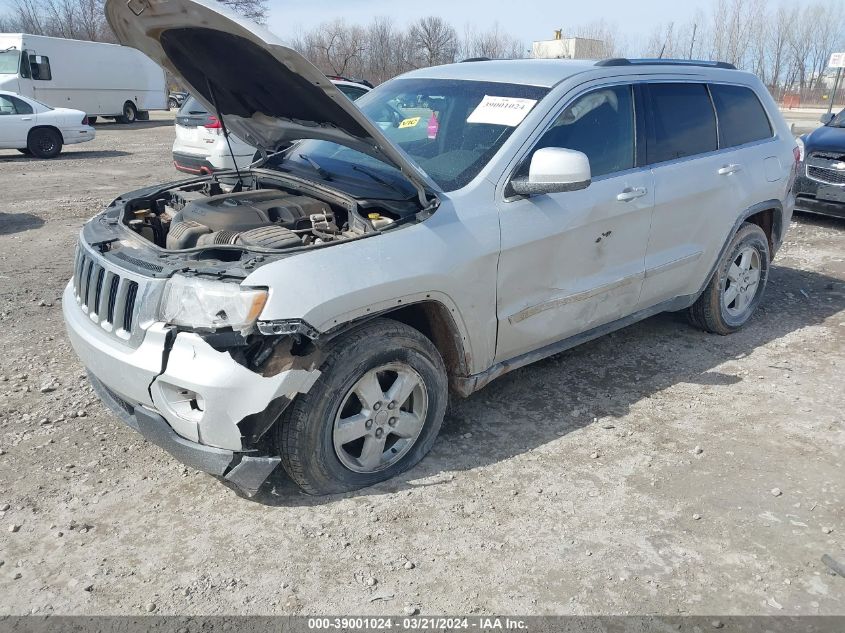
(601, 125)
(742, 118)
(450, 128)
(682, 120)
(40, 67)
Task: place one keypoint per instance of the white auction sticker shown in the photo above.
(508, 111)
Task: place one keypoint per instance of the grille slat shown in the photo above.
(103, 295)
(86, 282)
(92, 287)
(98, 287)
(113, 286)
(129, 309)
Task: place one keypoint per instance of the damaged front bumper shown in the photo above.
(185, 396)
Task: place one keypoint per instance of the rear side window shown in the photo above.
(682, 121)
(40, 67)
(13, 105)
(742, 118)
(21, 106)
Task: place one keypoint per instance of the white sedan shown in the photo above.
(32, 127)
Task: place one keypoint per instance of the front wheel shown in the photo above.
(374, 412)
(737, 286)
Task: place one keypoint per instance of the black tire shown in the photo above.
(304, 435)
(172, 104)
(44, 142)
(711, 312)
(130, 113)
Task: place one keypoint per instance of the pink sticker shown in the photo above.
(433, 126)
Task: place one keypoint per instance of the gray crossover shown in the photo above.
(319, 308)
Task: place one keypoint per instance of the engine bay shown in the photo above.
(257, 216)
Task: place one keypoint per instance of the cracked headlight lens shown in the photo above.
(204, 303)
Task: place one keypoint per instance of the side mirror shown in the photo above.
(826, 118)
(554, 170)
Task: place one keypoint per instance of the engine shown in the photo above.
(266, 218)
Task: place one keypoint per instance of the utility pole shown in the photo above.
(835, 88)
(692, 43)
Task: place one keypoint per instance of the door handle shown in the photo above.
(631, 193)
(26, 118)
(727, 170)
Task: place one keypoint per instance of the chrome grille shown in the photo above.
(113, 298)
(826, 167)
(825, 175)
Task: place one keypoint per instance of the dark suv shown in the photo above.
(820, 186)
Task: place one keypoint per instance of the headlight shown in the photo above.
(203, 303)
(801, 152)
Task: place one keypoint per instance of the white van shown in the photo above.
(99, 79)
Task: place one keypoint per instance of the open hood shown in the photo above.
(266, 92)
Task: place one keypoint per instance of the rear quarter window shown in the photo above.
(681, 121)
(742, 118)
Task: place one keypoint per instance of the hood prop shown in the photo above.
(240, 184)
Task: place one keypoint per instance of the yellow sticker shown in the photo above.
(412, 122)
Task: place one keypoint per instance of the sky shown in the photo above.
(526, 20)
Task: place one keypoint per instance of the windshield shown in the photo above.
(838, 120)
(9, 62)
(450, 128)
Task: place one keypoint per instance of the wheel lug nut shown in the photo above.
(391, 406)
(377, 406)
(392, 422)
(368, 424)
(379, 432)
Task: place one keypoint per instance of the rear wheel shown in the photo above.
(374, 412)
(44, 143)
(130, 113)
(737, 286)
(172, 104)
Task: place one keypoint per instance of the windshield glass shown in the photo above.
(450, 128)
(9, 62)
(838, 120)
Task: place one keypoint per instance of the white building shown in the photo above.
(568, 48)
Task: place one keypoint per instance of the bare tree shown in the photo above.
(255, 10)
(435, 39)
(493, 43)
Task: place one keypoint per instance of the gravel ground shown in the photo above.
(659, 470)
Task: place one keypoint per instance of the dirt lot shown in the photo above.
(659, 470)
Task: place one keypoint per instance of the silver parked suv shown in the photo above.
(318, 308)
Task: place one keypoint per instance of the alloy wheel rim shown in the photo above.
(742, 281)
(46, 144)
(380, 418)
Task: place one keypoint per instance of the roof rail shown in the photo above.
(622, 61)
(475, 59)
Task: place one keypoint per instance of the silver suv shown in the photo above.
(319, 308)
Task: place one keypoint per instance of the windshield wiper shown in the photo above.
(325, 175)
(378, 179)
